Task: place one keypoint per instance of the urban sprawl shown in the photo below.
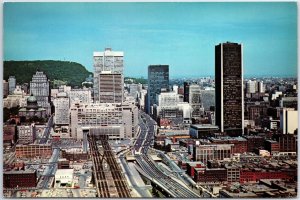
(222, 136)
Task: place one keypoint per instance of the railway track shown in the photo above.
(108, 156)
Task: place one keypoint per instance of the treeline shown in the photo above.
(70, 72)
(135, 80)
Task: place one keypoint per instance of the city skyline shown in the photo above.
(162, 34)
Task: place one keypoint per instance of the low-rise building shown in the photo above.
(64, 177)
(203, 130)
(27, 134)
(33, 150)
(19, 179)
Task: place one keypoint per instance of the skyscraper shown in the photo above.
(11, 84)
(62, 104)
(111, 88)
(195, 101)
(40, 88)
(229, 88)
(158, 79)
(186, 91)
(107, 62)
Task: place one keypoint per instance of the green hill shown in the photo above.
(70, 72)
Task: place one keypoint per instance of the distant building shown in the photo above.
(158, 79)
(32, 109)
(251, 86)
(135, 89)
(81, 95)
(62, 104)
(261, 87)
(195, 101)
(289, 102)
(202, 130)
(107, 61)
(11, 84)
(229, 88)
(27, 134)
(207, 152)
(9, 133)
(5, 88)
(17, 98)
(186, 92)
(207, 99)
(40, 88)
(288, 120)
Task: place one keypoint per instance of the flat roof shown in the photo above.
(203, 126)
(20, 172)
(64, 171)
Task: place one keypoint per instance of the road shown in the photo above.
(47, 130)
(141, 147)
(49, 170)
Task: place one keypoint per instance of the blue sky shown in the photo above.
(182, 35)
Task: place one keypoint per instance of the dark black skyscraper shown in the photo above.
(158, 78)
(186, 93)
(229, 88)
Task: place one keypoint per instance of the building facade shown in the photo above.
(62, 104)
(40, 88)
(81, 95)
(27, 134)
(195, 101)
(229, 88)
(11, 84)
(288, 120)
(19, 179)
(33, 150)
(111, 88)
(208, 152)
(103, 119)
(5, 88)
(158, 79)
(107, 61)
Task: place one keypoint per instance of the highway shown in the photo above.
(141, 147)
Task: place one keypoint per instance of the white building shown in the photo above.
(288, 120)
(108, 60)
(27, 134)
(135, 89)
(62, 104)
(64, 177)
(261, 87)
(276, 95)
(142, 99)
(82, 95)
(175, 89)
(167, 99)
(251, 86)
(17, 98)
(103, 118)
